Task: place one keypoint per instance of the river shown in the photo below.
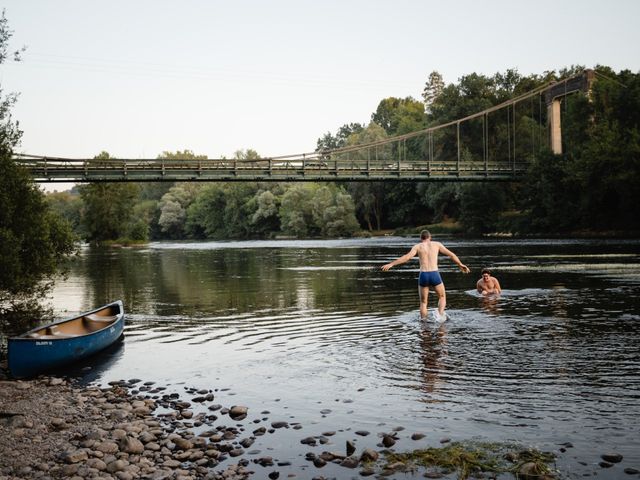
(314, 333)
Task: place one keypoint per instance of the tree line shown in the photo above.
(589, 188)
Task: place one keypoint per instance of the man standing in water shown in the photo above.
(427, 251)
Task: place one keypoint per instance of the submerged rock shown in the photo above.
(388, 441)
(611, 457)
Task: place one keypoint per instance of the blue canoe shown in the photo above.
(66, 341)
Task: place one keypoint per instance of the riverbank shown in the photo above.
(52, 428)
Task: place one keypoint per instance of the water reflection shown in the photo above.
(433, 342)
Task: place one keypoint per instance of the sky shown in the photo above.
(136, 78)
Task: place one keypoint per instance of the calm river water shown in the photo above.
(314, 333)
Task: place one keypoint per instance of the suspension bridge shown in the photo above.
(495, 144)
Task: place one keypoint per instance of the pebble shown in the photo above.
(388, 441)
(75, 456)
(369, 455)
(611, 457)
(350, 462)
(351, 448)
(238, 412)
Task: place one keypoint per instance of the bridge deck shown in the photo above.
(119, 170)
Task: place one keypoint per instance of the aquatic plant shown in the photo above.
(469, 458)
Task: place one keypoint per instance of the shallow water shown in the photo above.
(297, 328)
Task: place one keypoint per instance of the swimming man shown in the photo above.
(427, 251)
(488, 284)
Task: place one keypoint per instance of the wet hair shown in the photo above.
(425, 234)
(485, 270)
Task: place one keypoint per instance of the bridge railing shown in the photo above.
(318, 167)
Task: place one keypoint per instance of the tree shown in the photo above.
(369, 197)
(339, 140)
(67, 205)
(108, 208)
(248, 154)
(173, 209)
(432, 89)
(34, 242)
(399, 115)
(334, 212)
(265, 219)
(296, 211)
(204, 216)
(481, 205)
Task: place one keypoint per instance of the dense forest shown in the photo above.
(590, 188)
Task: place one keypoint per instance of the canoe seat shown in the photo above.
(51, 333)
(101, 318)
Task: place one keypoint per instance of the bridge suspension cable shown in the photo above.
(473, 151)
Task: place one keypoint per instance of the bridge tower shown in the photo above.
(553, 98)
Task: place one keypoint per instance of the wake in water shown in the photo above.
(525, 292)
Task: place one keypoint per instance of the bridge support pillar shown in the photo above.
(554, 95)
(555, 127)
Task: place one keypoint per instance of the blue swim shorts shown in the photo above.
(429, 279)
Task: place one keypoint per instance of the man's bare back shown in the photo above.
(428, 251)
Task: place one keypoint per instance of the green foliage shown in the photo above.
(67, 205)
(481, 205)
(223, 211)
(204, 215)
(399, 115)
(477, 460)
(432, 89)
(334, 212)
(173, 209)
(441, 199)
(34, 241)
(108, 208)
(331, 142)
(148, 211)
(296, 211)
(265, 219)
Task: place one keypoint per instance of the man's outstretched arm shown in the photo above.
(445, 251)
(403, 259)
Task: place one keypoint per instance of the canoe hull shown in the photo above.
(31, 356)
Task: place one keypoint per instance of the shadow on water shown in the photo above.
(94, 367)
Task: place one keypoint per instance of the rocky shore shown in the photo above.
(130, 429)
(51, 429)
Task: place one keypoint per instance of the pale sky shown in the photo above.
(139, 77)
